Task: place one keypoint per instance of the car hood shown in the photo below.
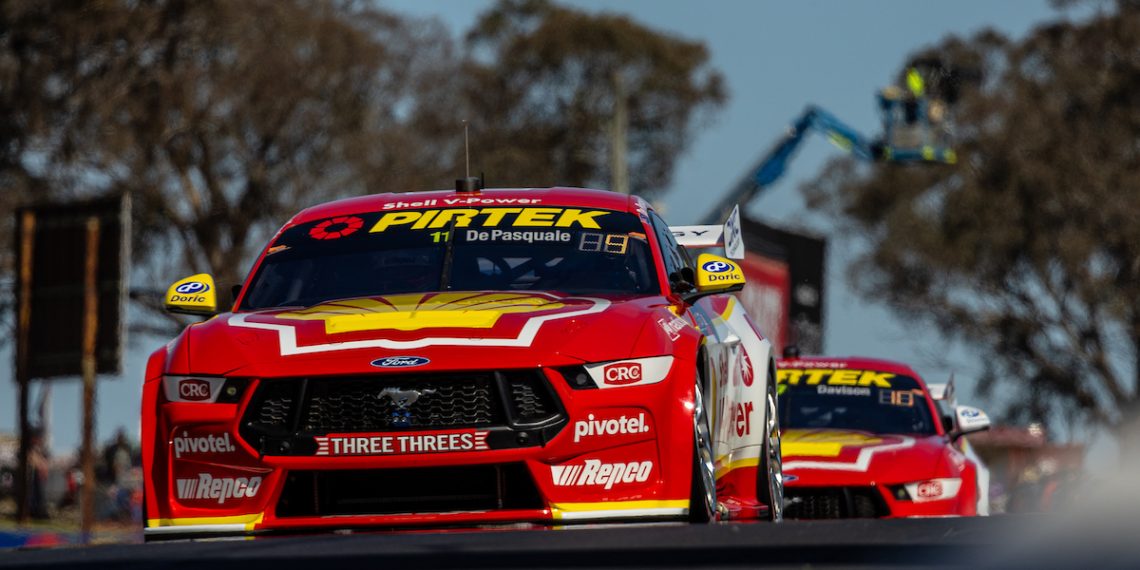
(848, 457)
(449, 330)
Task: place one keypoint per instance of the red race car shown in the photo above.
(465, 357)
(863, 438)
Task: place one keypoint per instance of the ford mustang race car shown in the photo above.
(461, 358)
(863, 438)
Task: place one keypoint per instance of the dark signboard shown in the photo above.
(58, 253)
(785, 287)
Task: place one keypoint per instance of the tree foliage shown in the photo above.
(1029, 247)
(541, 90)
(223, 118)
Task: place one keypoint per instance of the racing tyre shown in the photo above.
(770, 482)
(702, 499)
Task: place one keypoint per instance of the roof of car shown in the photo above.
(556, 196)
(853, 362)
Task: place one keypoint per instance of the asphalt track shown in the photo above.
(999, 542)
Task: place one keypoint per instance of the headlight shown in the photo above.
(203, 389)
(929, 490)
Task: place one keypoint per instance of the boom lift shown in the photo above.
(913, 132)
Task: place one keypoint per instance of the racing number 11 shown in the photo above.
(437, 237)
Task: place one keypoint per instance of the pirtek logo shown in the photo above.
(208, 443)
(622, 373)
(194, 390)
(623, 426)
(595, 473)
(208, 487)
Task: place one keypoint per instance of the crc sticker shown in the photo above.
(192, 288)
(622, 373)
(633, 372)
(336, 228)
(595, 473)
(399, 444)
(191, 389)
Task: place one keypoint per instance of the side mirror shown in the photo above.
(970, 420)
(193, 296)
(716, 274)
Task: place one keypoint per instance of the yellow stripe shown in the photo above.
(558, 508)
(248, 520)
(728, 307)
(739, 463)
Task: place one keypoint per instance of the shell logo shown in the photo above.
(823, 444)
(415, 311)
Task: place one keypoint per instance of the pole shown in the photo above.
(23, 327)
(90, 326)
(619, 165)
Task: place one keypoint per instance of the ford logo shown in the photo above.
(400, 361)
(716, 266)
(192, 287)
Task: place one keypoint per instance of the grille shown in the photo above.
(834, 503)
(531, 403)
(317, 406)
(397, 491)
(361, 405)
(276, 404)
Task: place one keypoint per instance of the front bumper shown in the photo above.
(865, 501)
(611, 454)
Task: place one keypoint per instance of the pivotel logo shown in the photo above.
(208, 443)
(220, 489)
(192, 288)
(400, 361)
(624, 425)
(622, 373)
(194, 389)
(717, 266)
(594, 473)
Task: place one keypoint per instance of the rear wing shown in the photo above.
(727, 235)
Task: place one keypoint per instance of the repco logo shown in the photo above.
(595, 473)
(622, 373)
(194, 390)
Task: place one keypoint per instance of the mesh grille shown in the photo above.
(364, 404)
(399, 402)
(531, 403)
(276, 405)
(834, 503)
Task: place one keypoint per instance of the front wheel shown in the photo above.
(770, 485)
(702, 499)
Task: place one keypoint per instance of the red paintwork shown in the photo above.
(902, 459)
(628, 328)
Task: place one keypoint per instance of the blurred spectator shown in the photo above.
(119, 480)
(38, 470)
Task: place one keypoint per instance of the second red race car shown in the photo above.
(465, 357)
(863, 438)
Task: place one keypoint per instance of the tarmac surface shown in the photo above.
(998, 542)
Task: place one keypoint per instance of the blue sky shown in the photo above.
(777, 57)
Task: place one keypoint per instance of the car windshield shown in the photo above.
(865, 400)
(571, 250)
